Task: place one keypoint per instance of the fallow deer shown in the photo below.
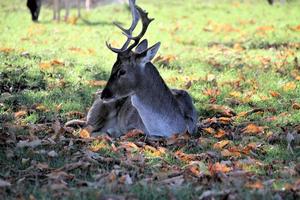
(136, 96)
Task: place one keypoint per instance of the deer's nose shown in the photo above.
(106, 94)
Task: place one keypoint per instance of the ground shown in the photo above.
(238, 60)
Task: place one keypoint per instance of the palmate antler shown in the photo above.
(137, 13)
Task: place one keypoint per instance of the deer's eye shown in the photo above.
(121, 72)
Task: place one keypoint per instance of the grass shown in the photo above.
(243, 55)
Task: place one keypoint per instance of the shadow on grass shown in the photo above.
(44, 95)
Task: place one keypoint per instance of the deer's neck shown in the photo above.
(157, 106)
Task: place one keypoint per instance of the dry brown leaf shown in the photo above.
(295, 28)
(290, 86)
(230, 153)
(253, 129)
(274, 94)
(235, 94)
(220, 133)
(264, 28)
(165, 60)
(221, 144)
(128, 146)
(98, 83)
(225, 120)
(135, 133)
(20, 113)
(255, 185)
(251, 146)
(6, 50)
(219, 167)
(212, 92)
(209, 130)
(84, 133)
(186, 157)
(56, 62)
(296, 106)
(193, 170)
(223, 110)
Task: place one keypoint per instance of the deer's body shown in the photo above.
(136, 96)
(120, 116)
(59, 4)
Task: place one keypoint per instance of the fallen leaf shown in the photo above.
(290, 86)
(219, 167)
(235, 94)
(84, 133)
(20, 113)
(274, 94)
(212, 92)
(209, 130)
(135, 133)
(255, 185)
(253, 129)
(220, 133)
(230, 153)
(221, 144)
(264, 28)
(165, 60)
(296, 106)
(6, 50)
(295, 28)
(99, 83)
(223, 110)
(251, 146)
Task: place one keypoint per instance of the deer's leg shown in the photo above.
(187, 108)
(55, 9)
(67, 7)
(39, 4)
(88, 5)
(78, 8)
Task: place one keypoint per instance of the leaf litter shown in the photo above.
(226, 152)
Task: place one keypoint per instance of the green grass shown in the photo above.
(246, 50)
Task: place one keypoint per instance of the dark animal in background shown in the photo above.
(271, 2)
(34, 7)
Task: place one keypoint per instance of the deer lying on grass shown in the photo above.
(136, 96)
(58, 4)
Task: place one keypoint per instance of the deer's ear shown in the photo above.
(142, 46)
(149, 54)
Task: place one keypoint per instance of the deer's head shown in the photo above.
(128, 70)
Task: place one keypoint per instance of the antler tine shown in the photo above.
(115, 50)
(127, 32)
(145, 22)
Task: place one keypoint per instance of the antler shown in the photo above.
(137, 13)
